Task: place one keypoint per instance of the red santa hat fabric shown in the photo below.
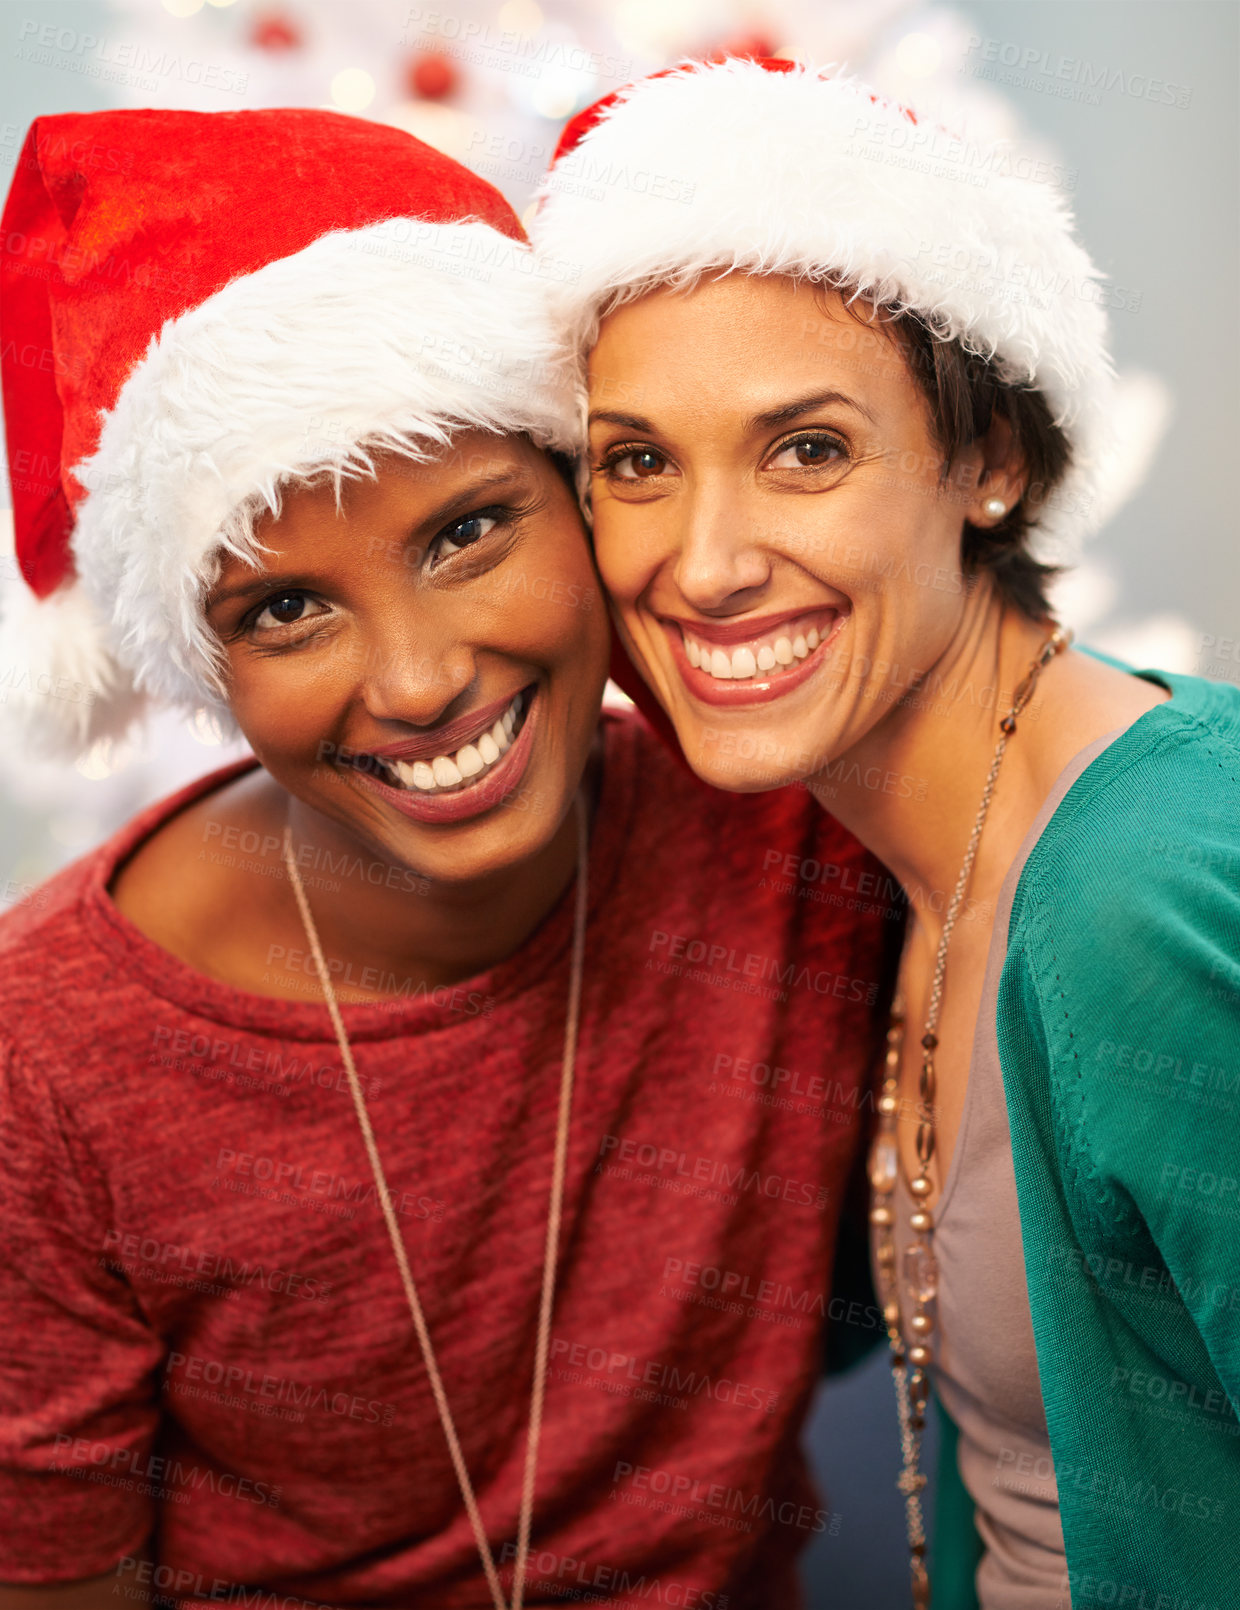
(197, 309)
(769, 167)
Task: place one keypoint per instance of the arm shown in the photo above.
(1140, 992)
(77, 1363)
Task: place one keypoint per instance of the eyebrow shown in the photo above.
(458, 503)
(607, 416)
(263, 583)
(805, 405)
(756, 422)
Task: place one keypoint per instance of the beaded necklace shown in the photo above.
(910, 1361)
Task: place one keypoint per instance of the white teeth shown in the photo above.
(743, 663)
(470, 761)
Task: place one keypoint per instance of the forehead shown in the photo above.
(745, 344)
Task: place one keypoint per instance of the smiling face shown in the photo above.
(424, 665)
(770, 519)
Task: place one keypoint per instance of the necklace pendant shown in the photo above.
(884, 1164)
(921, 1272)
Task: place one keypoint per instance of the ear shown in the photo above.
(1002, 475)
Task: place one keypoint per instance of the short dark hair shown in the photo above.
(963, 393)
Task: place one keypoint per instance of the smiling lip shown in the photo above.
(446, 740)
(748, 630)
(463, 803)
(761, 688)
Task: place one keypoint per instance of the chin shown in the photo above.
(745, 751)
(511, 832)
(733, 768)
(488, 849)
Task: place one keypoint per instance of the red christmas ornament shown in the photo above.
(275, 30)
(432, 75)
(753, 46)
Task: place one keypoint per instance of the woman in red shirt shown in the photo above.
(422, 1144)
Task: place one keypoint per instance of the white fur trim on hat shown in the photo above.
(394, 336)
(61, 689)
(733, 167)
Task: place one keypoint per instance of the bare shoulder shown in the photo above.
(183, 886)
(1109, 696)
(1087, 700)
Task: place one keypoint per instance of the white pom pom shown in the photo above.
(61, 689)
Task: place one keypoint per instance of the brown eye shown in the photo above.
(808, 452)
(640, 464)
(285, 609)
(464, 533)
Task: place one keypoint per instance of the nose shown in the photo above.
(412, 672)
(721, 568)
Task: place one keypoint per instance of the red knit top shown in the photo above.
(205, 1332)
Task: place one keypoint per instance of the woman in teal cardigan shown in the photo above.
(849, 407)
(1119, 1037)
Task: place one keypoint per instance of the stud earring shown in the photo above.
(996, 508)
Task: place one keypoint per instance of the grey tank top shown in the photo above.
(986, 1367)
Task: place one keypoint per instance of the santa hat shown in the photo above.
(768, 167)
(197, 309)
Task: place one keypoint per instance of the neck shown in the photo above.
(938, 743)
(409, 930)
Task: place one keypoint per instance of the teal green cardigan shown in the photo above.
(1119, 1041)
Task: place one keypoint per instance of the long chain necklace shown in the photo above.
(554, 1216)
(910, 1362)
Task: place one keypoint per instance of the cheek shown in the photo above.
(284, 706)
(893, 549)
(552, 616)
(559, 633)
(625, 544)
(548, 607)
